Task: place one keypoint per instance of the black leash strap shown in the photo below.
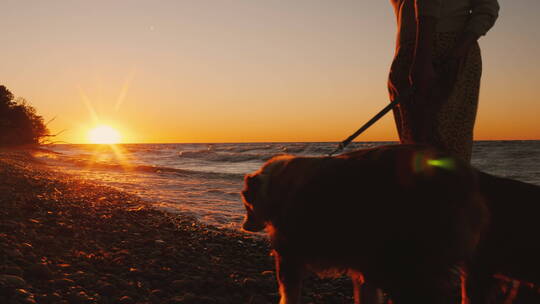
(342, 145)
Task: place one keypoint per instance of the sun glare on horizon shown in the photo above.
(103, 135)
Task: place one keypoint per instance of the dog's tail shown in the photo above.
(505, 192)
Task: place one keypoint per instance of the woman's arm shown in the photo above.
(464, 43)
(422, 75)
(484, 13)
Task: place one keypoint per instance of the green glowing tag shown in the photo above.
(445, 163)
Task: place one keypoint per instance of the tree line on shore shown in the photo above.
(19, 122)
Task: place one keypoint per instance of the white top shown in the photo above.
(476, 16)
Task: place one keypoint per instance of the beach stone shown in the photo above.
(13, 253)
(27, 246)
(13, 270)
(22, 293)
(126, 300)
(268, 273)
(23, 296)
(63, 283)
(274, 296)
(80, 298)
(81, 277)
(175, 300)
(86, 265)
(47, 298)
(9, 225)
(249, 283)
(39, 270)
(187, 298)
(55, 297)
(105, 288)
(29, 300)
(258, 299)
(135, 271)
(156, 295)
(8, 280)
(30, 256)
(202, 300)
(180, 284)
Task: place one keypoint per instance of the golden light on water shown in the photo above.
(104, 135)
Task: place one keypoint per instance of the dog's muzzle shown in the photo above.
(252, 225)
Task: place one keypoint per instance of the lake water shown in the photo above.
(205, 179)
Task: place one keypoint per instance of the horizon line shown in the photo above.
(276, 142)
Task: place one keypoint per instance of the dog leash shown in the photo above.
(342, 145)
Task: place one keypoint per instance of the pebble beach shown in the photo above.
(64, 239)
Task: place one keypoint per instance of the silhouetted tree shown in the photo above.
(19, 122)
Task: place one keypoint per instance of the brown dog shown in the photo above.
(401, 216)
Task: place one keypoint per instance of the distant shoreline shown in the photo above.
(285, 142)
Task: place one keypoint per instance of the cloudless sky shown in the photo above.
(241, 70)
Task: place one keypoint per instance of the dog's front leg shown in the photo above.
(289, 272)
(481, 286)
(364, 293)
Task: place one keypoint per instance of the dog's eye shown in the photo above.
(247, 195)
(253, 182)
(252, 185)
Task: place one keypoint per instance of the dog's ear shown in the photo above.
(254, 213)
(252, 184)
(253, 181)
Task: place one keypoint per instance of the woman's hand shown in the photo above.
(464, 43)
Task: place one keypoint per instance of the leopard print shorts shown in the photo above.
(447, 122)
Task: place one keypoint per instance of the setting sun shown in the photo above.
(103, 135)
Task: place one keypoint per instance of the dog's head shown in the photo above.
(256, 194)
(252, 195)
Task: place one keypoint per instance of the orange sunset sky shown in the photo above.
(241, 70)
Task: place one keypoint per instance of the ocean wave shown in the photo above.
(221, 192)
(263, 147)
(320, 149)
(241, 148)
(114, 166)
(225, 156)
(293, 149)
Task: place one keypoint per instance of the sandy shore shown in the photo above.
(66, 240)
